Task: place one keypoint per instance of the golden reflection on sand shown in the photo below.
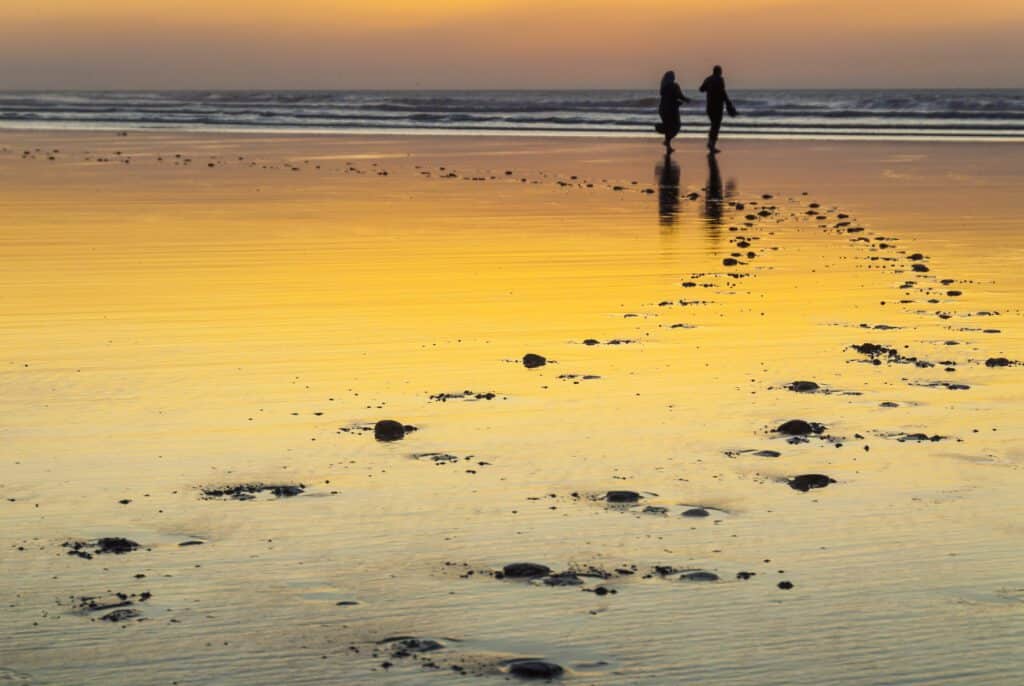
(239, 318)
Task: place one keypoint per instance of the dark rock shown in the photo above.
(535, 669)
(875, 350)
(622, 496)
(699, 575)
(997, 362)
(918, 267)
(785, 585)
(249, 491)
(696, 512)
(768, 453)
(655, 510)
(117, 546)
(799, 427)
(388, 430)
(525, 570)
(591, 341)
(804, 386)
(806, 482)
(101, 546)
(532, 361)
(730, 262)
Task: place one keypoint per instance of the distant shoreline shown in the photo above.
(493, 133)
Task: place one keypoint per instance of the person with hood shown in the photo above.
(671, 98)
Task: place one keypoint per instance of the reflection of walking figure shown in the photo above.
(718, 100)
(713, 195)
(668, 174)
(671, 98)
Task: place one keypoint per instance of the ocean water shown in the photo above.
(990, 115)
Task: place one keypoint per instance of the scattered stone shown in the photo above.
(388, 430)
(101, 546)
(532, 361)
(699, 575)
(696, 512)
(806, 482)
(465, 395)
(525, 570)
(918, 438)
(785, 585)
(535, 669)
(250, 491)
(437, 458)
(619, 497)
(804, 386)
(876, 353)
(998, 362)
(799, 427)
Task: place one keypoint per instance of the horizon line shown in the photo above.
(265, 89)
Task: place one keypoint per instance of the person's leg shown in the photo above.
(671, 131)
(716, 126)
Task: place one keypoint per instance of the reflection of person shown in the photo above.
(713, 196)
(671, 98)
(718, 100)
(668, 190)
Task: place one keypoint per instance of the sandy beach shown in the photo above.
(200, 333)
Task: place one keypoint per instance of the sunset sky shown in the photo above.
(153, 44)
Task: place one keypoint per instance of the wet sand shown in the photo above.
(186, 314)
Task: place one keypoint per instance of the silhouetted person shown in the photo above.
(668, 190)
(718, 100)
(671, 98)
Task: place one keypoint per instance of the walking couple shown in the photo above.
(672, 97)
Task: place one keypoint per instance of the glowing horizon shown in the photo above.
(116, 44)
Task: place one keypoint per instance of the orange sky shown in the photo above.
(507, 43)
